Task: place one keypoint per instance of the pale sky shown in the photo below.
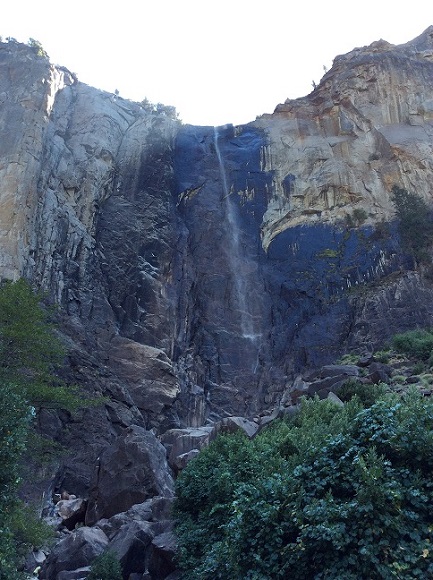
(217, 62)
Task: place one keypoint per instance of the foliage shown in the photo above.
(383, 356)
(38, 48)
(26, 336)
(414, 343)
(328, 253)
(338, 492)
(415, 223)
(30, 352)
(381, 232)
(367, 394)
(14, 421)
(356, 218)
(20, 527)
(28, 529)
(159, 109)
(349, 359)
(105, 567)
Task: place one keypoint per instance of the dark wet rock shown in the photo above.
(79, 574)
(162, 556)
(327, 384)
(236, 424)
(182, 444)
(76, 550)
(379, 372)
(199, 271)
(336, 370)
(365, 360)
(130, 545)
(72, 511)
(131, 470)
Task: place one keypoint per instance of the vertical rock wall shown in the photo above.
(198, 269)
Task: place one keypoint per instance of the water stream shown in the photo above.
(235, 258)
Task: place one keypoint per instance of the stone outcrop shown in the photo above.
(356, 135)
(128, 472)
(140, 538)
(76, 550)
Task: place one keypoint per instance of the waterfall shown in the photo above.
(235, 260)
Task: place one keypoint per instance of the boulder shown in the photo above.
(379, 372)
(163, 550)
(324, 386)
(334, 399)
(157, 509)
(128, 472)
(336, 370)
(130, 545)
(72, 511)
(79, 574)
(180, 444)
(297, 389)
(77, 550)
(365, 360)
(181, 461)
(233, 424)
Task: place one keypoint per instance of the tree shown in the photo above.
(30, 353)
(14, 423)
(415, 223)
(38, 48)
(334, 493)
(30, 350)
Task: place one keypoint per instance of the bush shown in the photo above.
(37, 47)
(367, 394)
(105, 567)
(336, 493)
(356, 218)
(414, 343)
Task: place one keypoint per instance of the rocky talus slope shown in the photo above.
(198, 270)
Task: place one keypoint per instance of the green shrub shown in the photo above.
(427, 379)
(419, 367)
(356, 218)
(335, 493)
(367, 394)
(359, 215)
(37, 47)
(414, 343)
(105, 567)
(28, 529)
(382, 356)
(349, 359)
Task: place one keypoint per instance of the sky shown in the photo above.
(216, 62)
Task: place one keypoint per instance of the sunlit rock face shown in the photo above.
(28, 90)
(199, 269)
(366, 127)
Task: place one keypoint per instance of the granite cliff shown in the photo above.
(197, 269)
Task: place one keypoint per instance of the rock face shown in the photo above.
(198, 270)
